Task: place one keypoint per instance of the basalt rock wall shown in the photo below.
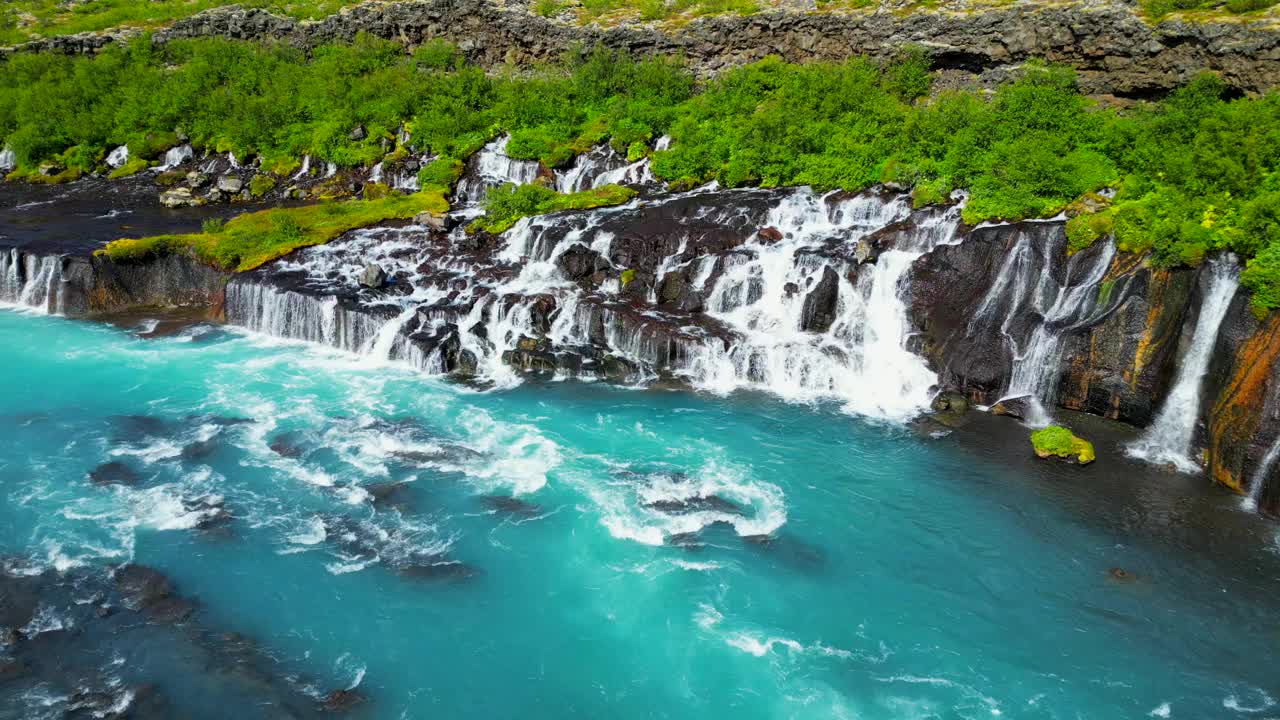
(82, 286)
(1115, 51)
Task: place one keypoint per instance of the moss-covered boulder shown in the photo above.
(1058, 442)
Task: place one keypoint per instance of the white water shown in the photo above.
(118, 157)
(1168, 440)
(493, 167)
(32, 281)
(862, 360)
(176, 156)
(8, 159)
(1259, 480)
(1025, 287)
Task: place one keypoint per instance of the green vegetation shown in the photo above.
(22, 20)
(250, 240)
(133, 166)
(1194, 173)
(1158, 9)
(1057, 441)
(505, 206)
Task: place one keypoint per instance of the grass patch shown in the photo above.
(504, 206)
(250, 240)
(132, 166)
(1057, 441)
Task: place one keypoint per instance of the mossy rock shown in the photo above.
(1056, 441)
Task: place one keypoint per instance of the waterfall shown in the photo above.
(782, 302)
(1026, 289)
(32, 281)
(1259, 480)
(118, 157)
(493, 167)
(375, 175)
(8, 159)
(303, 171)
(176, 156)
(860, 357)
(1168, 440)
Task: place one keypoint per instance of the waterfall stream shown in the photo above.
(1168, 440)
(1025, 287)
(32, 281)
(788, 309)
(1258, 481)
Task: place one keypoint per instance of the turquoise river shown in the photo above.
(576, 550)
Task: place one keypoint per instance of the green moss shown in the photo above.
(505, 206)
(253, 239)
(1105, 288)
(1057, 441)
(1085, 230)
(443, 172)
(628, 276)
(376, 191)
(261, 184)
(132, 167)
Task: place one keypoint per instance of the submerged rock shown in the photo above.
(341, 701)
(114, 473)
(508, 505)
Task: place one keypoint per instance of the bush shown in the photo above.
(505, 205)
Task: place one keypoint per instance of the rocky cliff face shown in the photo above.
(83, 286)
(1115, 51)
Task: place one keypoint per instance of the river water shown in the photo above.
(571, 549)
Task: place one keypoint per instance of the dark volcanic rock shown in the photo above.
(819, 307)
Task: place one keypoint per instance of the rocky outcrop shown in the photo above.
(1244, 416)
(79, 286)
(1115, 51)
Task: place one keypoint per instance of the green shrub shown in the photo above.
(505, 205)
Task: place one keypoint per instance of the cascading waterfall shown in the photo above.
(1168, 440)
(8, 159)
(176, 156)
(1024, 287)
(861, 358)
(118, 157)
(32, 281)
(1259, 480)
(493, 167)
(795, 315)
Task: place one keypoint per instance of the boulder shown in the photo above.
(114, 473)
(436, 223)
(197, 179)
(180, 197)
(1019, 407)
(358, 133)
(230, 184)
(373, 276)
(769, 235)
(819, 309)
(673, 288)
